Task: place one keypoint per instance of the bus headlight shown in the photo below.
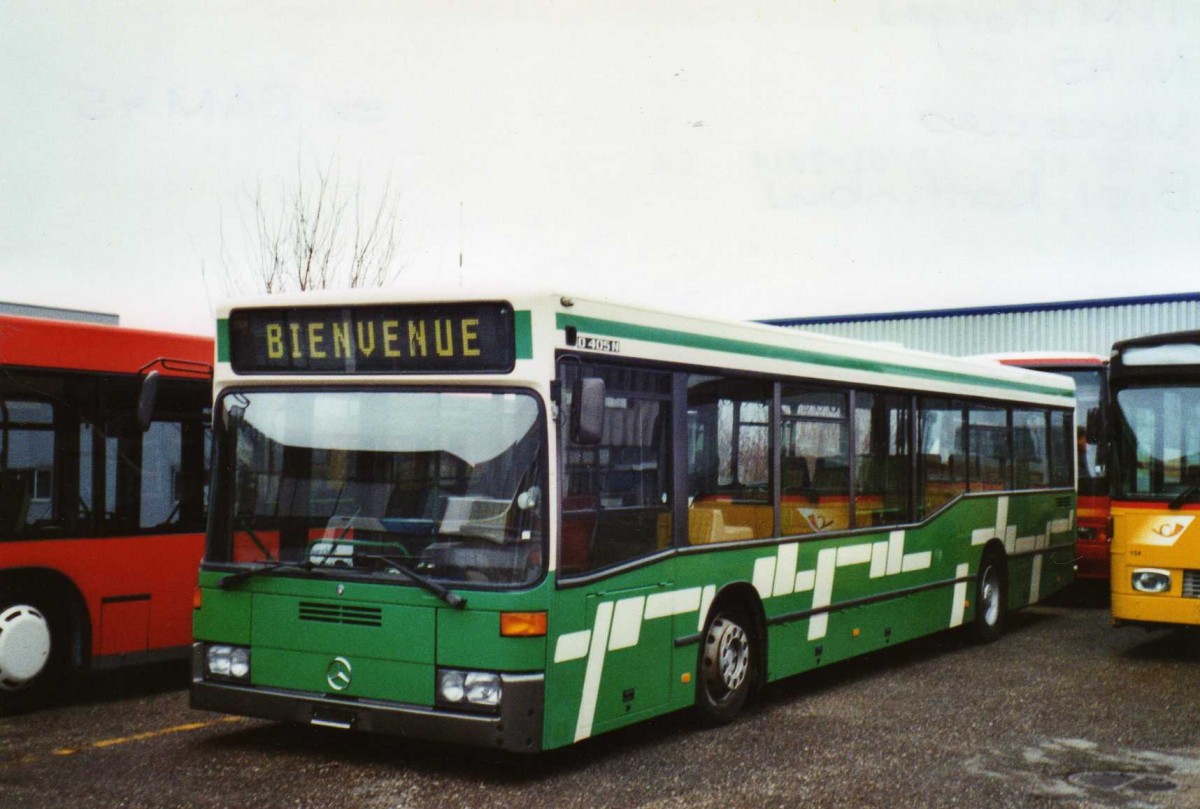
(468, 689)
(1151, 581)
(227, 662)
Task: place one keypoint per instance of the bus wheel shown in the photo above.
(991, 603)
(27, 656)
(727, 662)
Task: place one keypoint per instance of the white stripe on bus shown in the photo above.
(595, 667)
(627, 623)
(959, 604)
(785, 569)
(764, 576)
(572, 645)
(822, 592)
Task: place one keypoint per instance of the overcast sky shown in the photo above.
(746, 159)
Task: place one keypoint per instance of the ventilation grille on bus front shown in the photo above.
(340, 614)
(1191, 584)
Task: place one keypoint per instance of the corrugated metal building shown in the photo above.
(57, 313)
(1088, 326)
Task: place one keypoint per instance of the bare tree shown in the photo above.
(315, 233)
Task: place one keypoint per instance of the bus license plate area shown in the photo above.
(335, 718)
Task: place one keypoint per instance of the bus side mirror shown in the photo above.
(147, 398)
(1095, 426)
(587, 411)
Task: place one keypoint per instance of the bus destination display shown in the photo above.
(390, 339)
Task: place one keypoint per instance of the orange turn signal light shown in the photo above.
(523, 624)
(197, 598)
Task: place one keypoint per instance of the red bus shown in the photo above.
(1090, 372)
(102, 515)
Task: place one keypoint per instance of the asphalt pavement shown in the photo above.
(1063, 711)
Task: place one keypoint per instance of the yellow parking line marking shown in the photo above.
(153, 734)
(103, 744)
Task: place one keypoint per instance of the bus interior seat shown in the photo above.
(831, 477)
(794, 474)
(707, 525)
(578, 531)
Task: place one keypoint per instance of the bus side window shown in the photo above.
(145, 486)
(46, 453)
(940, 440)
(987, 445)
(26, 465)
(1030, 453)
(729, 460)
(161, 485)
(40, 460)
(174, 459)
(884, 473)
(815, 439)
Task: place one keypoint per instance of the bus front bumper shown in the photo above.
(1154, 611)
(517, 728)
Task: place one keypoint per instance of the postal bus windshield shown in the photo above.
(402, 339)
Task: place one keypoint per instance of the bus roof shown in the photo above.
(39, 343)
(1174, 353)
(1044, 358)
(1157, 339)
(650, 334)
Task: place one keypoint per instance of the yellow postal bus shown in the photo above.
(1155, 435)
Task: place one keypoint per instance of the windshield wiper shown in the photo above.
(242, 523)
(398, 566)
(233, 578)
(1187, 494)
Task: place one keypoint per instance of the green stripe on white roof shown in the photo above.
(651, 334)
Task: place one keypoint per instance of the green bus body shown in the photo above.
(623, 639)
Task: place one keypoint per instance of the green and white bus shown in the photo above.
(523, 520)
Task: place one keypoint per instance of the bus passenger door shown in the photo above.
(152, 491)
(615, 539)
(628, 674)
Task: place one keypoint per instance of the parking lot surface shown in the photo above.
(1064, 711)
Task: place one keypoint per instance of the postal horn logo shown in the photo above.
(339, 674)
(1161, 529)
(1168, 530)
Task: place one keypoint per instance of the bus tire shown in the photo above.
(727, 668)
(33, 650)
(991, 599)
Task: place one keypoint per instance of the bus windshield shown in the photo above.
(1157, 441)
(445, 484)
(1088, 385)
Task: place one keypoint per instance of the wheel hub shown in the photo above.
(24, 646)
(991, 599)
(727, 655)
